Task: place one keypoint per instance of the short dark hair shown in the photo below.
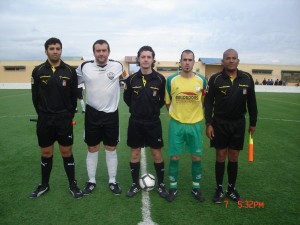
(187, 51)
(143, 49)
(101, 42)
(230, 50)
(52, 41)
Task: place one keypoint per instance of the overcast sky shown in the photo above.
(262, 31)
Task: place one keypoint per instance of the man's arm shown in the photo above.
(168, 107)
(127, 92)
(162, 92)
(74, 86)
(209, 102)
(252, 108)
(79, 75)
(35, 89)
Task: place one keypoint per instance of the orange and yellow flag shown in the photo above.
(250, 149)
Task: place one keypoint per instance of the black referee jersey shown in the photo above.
(54, 91)
(144, 94)
(226, 99)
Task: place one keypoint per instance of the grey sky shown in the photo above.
(262, 31)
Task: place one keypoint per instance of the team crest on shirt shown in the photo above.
(111, 75)
(197, 88)
(64, 83)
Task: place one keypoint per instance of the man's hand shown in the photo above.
(210, 132)
(252, 130)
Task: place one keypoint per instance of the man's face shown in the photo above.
(53, 52)
(145, 60)
(187, 62)
(230, 61)
(101, 53)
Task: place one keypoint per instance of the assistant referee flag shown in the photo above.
(250, 149)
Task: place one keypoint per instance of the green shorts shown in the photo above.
(185, 136)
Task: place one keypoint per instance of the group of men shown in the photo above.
(223, 102)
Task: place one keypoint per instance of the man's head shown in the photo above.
(53, 50)
(230, 60)
(101, 42)
(52, 41)
(146, 57)
(187, 60)
(101, 51)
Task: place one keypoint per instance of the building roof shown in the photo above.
(211, 61)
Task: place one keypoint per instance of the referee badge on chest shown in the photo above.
(244, 91)
(64, 83)
(154, 93)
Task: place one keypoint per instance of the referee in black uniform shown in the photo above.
(54, 96)
(144, 94)
(228, 94)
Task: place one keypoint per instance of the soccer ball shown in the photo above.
(147, 182)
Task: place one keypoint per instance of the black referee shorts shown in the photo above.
(228, 133)
(51, 128)
(144, 133)
(101, 126)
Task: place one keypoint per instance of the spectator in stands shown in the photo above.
(264, 81)
(276, 82)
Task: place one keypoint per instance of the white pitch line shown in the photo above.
(17, 116)
(146, 205)
(285, 120)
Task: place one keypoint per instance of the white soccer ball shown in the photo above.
(147, 182)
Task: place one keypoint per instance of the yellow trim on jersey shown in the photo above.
(144, 81)
(62, 77)
(46, 76)
(224, 87)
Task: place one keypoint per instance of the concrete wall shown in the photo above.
(278, 89)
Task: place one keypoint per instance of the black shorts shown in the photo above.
(101, 126)
(144, 133)
(51, 128)
(228, 133)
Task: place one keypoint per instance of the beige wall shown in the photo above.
(207, 70)
(276, 70)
